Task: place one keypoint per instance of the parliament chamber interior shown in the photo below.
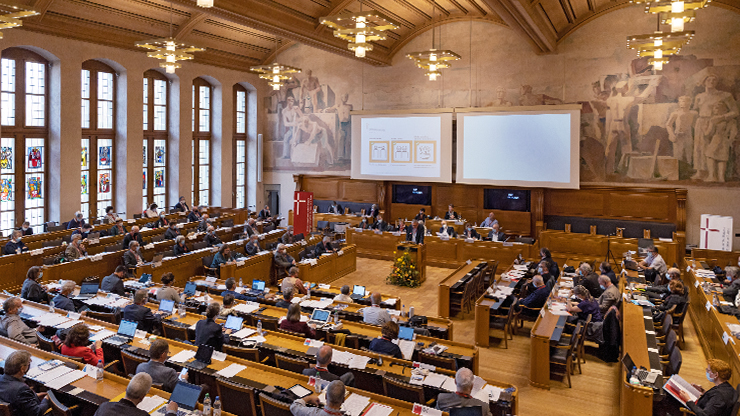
(287, 204)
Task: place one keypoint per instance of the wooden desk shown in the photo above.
(716, 257)
(350, 219)
(444, 288)
(634, 399)
(330, 267)
(484, 307)
(258, 266)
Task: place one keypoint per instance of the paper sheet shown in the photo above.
(68, 378)
(449, 384)
(341, 357)
(359, 362)
(406, 346)
(100, 335)
(231, 370)
(53, 373)
(244, 333)
(150, 403)
(246, 307)
(219, 356)
(182, 356)
(68, 324)
(377, 409)
(488, 393)
(355, 404)
(434, 380)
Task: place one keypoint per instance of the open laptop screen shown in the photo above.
(89, 289)
(320, 315)
(166, 305)
(127, 328)
(234, 322)
(258, 285)
(186, 395)
(358, 290)
(190, 288)
(406, 332)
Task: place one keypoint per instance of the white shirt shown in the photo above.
(656, 262)
(343, 298)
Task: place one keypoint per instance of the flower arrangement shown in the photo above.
(404, 271)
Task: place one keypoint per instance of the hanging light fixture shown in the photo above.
(205, 3)
(432, 60)
(360, 29)
(169, 49)
(659, 46)
(674, 13)
(11, 14)
(275, 73)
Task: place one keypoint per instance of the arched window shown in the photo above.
(156, 91)
(98, 137)
(201, 155)
(24, 141)
(240, 146)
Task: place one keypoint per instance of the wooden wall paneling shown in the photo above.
(646, 207)
(514, 222)
(408, 211)
(322, 187)
(358, 191)
(537, 211)
(573, 203)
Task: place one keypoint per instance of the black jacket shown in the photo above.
(171, 233)
(321, 248)
(180, 250)
(12, 246)
(252, 249)
(182, 207)
(454, 215)
(33, 291)
(142, 315)
(419, 234)
(212, 240)
(380, 225)
(122, 407)
(129, 238)
(471, 234)
(129, 259)
(717, 401)
(210, 333)
(22, 400)
(112, 284)
(450, 231)
(193, 217)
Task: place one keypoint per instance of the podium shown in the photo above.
(418, 254)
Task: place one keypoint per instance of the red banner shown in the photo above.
(302, 213)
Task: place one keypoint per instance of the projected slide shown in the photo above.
(519, 149)
(402, 147)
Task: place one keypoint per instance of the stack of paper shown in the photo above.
(244, 333)
(67, 378)
(359, 362)
(69, 324)
(101, 335)
(149, 404)
(406, 346)
(341, 357)
(449, 384)
(488, 393)
(377, 409)
(231, 370)
(182, 356)
(52, 374)
(435, 380)
(355, 404)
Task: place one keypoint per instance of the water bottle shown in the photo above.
(101, 370)
(51, 307)
(336, 317)
(411, 312)
(308, 291)
(207, 406)
(633, 376)
(217, 407)
(259, 326)
(241, 283)
(403, 310)
(181, 310)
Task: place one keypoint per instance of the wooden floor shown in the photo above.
(595, 392)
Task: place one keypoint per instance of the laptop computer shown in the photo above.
(298, 237)
(233, 323)
(126, 332)
(319, 317)
(202, 357)
(186, 396)
(190, 288)
(406, 332)
(258, 288)
(87, 291)
(358, 292)
(145, 278)
(629, 364)
(166, 306)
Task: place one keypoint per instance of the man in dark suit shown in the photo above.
(76, 222)
(374, 211)
(325, 247)
(208, 332)
(253, 245)
(470, 232)
(211, 238)
(451, 214)
(194, 215)
(137, 312)
(172, 231)
(159, 351)
(133, 235)
(182, 206)
(422, 215)
(496, 234)
(445, 229)
(335, 208)
(114, 282)
(588, 279)
(464, 380)
(321, 369)
(136, 390)
(415, 232)
(14, 390)
(538, 297)
(380, 224)
(26, 228)
(265, 214)
(230, 286)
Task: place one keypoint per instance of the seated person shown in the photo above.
(374, 314)
(661, 291)
(159, 351)
(194, 215)
(208, 332)
(334, 400)
(76, 345)
(606, 268)
(181, 205)
(422, 215)
(321, 369)
(110, 215)
(292, 322)
(139, 313)
(719, 400)
(151, 212)
(161, 221)
(62, 300)
(554, 269)
(288, 237)
(26, 229)
(400, 225)
(588, 279)
(167, 292)
(15, 245)
(343, 296)
(293, 283)
(230, 286)
(451, 214)
(325, 247)
(374, 211)
(654, 261)
(205, 221)
(114, 282)
(228, 307)
(286, 300)
(211, 238)
(380, 224)
(252, 246)
(464, 380)
(76, 222)
(364, 224)
(731, 285)
(537, 298)
(283, 261)
(677, 297)
(543, 269)
(224, 256)
(496, 234)
(336, 208)
(13, 326)
(251, 227)
(84, 231)
(75, 249)
(180, 247)
(15, 392)
(136, 390)
(446, 230)
(31, 289)
(384, 344)
(118, 228)
(586, 305)
(609, 295)
(489, 221)
(132, 257)
(134, 235)
(470, 232)
(172, 231)
(265, 214)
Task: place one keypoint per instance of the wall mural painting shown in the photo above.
(310, 126)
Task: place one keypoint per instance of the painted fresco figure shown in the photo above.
(704, 103)
(345, 133)
(311, 132)
(310, 89)
(291, 118)
(500, 100)
(720, 133)
(680, 128)
(618, 131)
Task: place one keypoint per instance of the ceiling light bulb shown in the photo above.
(658, 65)
(677, 7)
(658, 53)
(432, 67)
(276, 78)
(658, 42)
(205, 3)
(170, 59)
(276, 87)
(677, 24)
(433, 57)
(360, 52)
(432, 76)
(170, 69)
(360, 23)
(360, 38)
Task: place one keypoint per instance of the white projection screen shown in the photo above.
(412, 147)
(518, 147)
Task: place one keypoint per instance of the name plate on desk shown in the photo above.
(396, 233)
(358, 230)
(708, 306)
(469, 240)
(340, 252)
(304, 242)
(180, 226)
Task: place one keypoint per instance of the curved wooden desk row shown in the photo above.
(266, 378)
(450, 253)
(485, 307)
(448, 287)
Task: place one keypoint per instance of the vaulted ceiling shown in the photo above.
(241, 33)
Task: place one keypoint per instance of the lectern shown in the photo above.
(418, 254)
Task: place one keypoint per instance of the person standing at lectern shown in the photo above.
(415, 232)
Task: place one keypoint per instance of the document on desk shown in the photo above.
(434, 380)
(244, 333)
(676, 383)
(68, 324)
(449, 384)
(231, 370)
(101, 335)
(149, 404)
(341, 357)
(218, 356)
(52, 374)
(406, 346)
(359, 362)
(65, 379)
(355, 404)
(182, 356)
(488, 393)
(420, 409)
(377, 409)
